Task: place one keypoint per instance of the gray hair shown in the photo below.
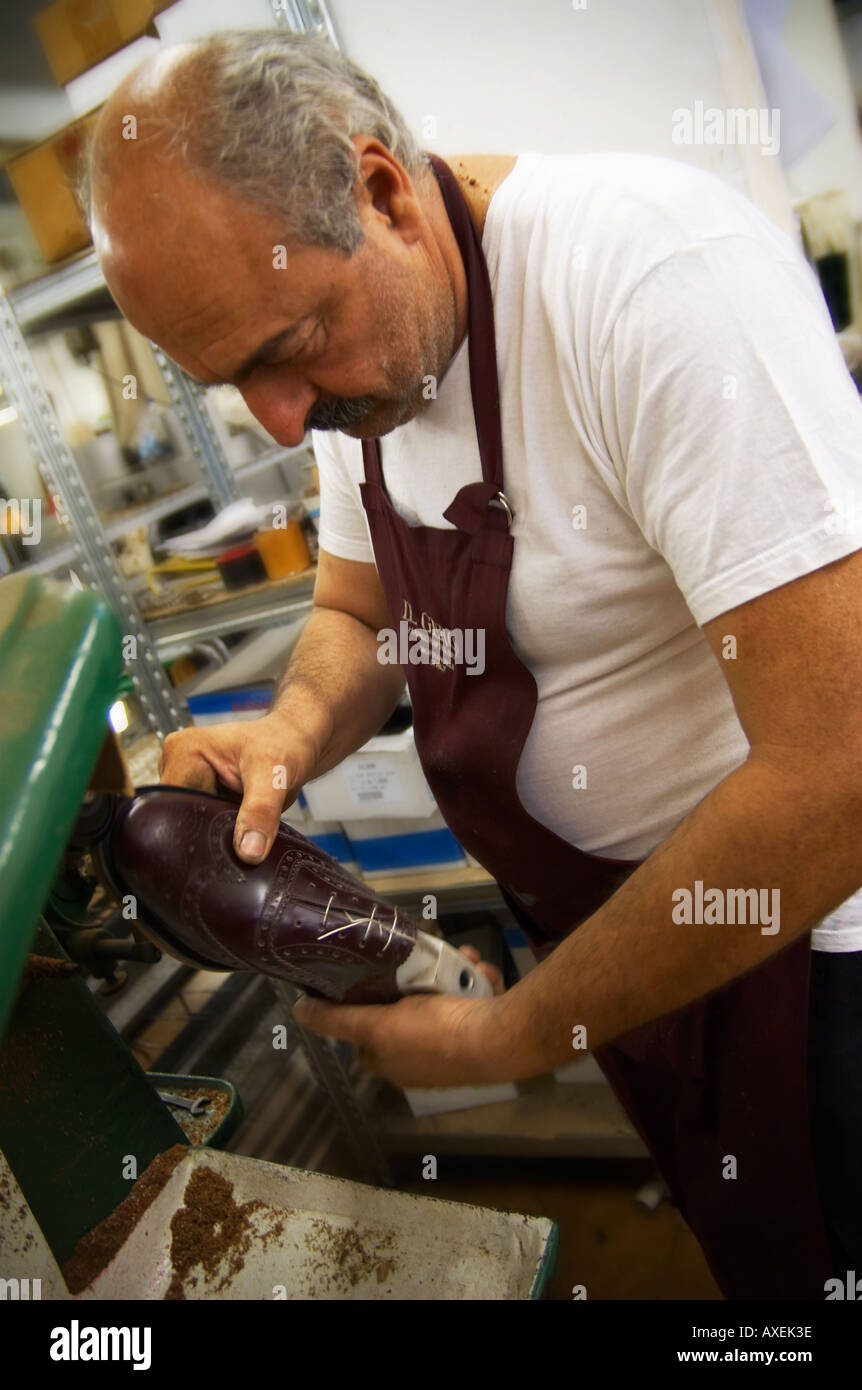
(272, 119)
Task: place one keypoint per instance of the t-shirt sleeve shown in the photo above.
(343, 529)
(733, 425)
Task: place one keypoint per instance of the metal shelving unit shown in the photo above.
(74, 293)
(50, 303)
(77, 285)
(239, 613)
(144, 515)
(95, 561)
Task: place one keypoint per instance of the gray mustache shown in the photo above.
(340, 414)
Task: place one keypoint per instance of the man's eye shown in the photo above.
(311, 342)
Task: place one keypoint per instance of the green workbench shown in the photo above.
(78, 1117)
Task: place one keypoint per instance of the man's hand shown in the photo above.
(266, 760)
(423, 1040)
(334, 696)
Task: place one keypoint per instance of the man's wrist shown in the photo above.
(506, 1043)
(299, 710)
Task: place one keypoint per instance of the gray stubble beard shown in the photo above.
(346, 413)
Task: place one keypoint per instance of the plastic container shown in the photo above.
(241, 566)
(284, 550)
(224, 1125)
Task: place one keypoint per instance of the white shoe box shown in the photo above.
(327, 835)
(396, 846)
(383, 778)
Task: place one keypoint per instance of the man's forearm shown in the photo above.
(334, 686)
(763, 827)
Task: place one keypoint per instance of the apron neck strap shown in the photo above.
(481, 344)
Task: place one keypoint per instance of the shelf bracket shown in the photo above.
(94, 557)
(188, 401)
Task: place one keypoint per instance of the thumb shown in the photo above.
(259, 815)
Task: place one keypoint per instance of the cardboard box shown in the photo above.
(581, 1070)
(330, 836)
(583, 1066)
(94, 86)
(224, 706)
(297, 814)
(43, 180)
(78, 34)
(395, 846)
(383, 778)
(440, 1100)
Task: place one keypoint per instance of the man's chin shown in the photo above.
(386, 418)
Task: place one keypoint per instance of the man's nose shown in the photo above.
(280, 400)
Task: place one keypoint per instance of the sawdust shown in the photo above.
(23, 1059)
(211, 1235)
(347, 1256)
(49, 968)
(213, 1231)
(97, 1248)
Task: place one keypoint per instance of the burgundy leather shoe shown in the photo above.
(296, 916)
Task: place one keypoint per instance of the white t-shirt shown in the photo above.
(666, 363)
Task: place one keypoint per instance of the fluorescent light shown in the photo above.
(118, 717)
(8, 414)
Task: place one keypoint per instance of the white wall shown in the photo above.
(509, 75)
(504, 76)
(813, 37)
(851, 33)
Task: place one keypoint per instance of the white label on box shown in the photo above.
(369, 782)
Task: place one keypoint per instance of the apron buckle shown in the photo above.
(501, 500)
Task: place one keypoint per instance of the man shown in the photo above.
(663, 750)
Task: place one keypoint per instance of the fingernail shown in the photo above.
(252, 844)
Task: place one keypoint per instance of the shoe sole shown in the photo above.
(182, 954)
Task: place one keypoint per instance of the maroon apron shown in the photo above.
(723, 1079)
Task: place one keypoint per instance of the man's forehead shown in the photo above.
(209, 276)
(198, 242)
(219, 318)
(195, 311)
